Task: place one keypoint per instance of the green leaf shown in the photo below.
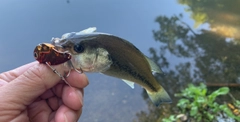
(237, 103)
(223, 90)
(172, 118)
(183, 103)
(210, 116)
(220, 91)
(201, 100)
(215, 107)
(204, 92)
(193, 111)
(225, 109)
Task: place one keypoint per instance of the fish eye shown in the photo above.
(78, 48)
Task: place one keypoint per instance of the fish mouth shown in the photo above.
(89, 67)
(84, 65)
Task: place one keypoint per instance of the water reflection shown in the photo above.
(209, 55)
(222, 16)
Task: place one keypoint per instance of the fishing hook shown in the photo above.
(80, 71)
(56, 72)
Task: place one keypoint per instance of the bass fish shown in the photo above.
(108, 54)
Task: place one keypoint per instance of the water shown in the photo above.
(205, 56)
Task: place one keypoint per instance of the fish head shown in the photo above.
(87, 54)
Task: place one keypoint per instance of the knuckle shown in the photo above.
(36, 75)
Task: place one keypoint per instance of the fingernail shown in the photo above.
(65, 118)
(80, 93)
(87, 81)
(70, 117)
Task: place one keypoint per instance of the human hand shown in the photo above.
(33, 93)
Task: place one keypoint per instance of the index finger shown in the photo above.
(77, 80)
(12, 74)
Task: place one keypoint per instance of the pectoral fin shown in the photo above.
(130, 83)
(154, 66)
(159, 97)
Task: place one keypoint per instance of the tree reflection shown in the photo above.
(222, 15)
(204, 56)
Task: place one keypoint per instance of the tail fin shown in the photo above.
(159, 97)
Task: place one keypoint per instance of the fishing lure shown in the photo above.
(46, 53)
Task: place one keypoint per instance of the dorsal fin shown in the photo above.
(72, 34)
(87, 31)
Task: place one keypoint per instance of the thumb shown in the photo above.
(28, 86)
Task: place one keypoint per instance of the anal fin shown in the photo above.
(130, 83)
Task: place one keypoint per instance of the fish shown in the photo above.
(46, 53)
(113, 56)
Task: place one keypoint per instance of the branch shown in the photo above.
(222, 85)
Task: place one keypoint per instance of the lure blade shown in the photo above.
(46, 53)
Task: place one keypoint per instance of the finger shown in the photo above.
(65, 114)
(2, 82)
(47, 94)
(31, 84)
(11, 75)
(39, 111)
(57, 90)
(77, 80)
(22, 117)
(72, 97)
(54, 103)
